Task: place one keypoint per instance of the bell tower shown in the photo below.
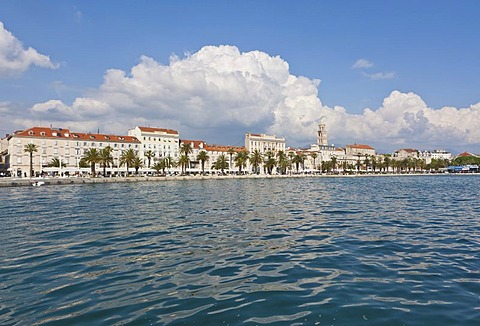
(322, 134)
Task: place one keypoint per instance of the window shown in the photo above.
(19, 160)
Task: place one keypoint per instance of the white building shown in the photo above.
(57, 143)
(264, 143)
(162, 142)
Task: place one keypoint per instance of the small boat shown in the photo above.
(38, 183)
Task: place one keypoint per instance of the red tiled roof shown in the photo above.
(149, 129)
(408, 150)
(465, 154)
(360, 146)
(59, 133)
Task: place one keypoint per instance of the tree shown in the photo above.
(297, 160)
(241, 160)
(137, 163)
(55, 163)
(255, 160)
(203, 157)
(92, 156)
(374, 163)
(282, 162)
(270, 162)
(159, 166)
(334, 162)
(221, 163)
(230, 152)
(127, 158)
(149, 155)
(314, 156)
(183, 161)
(31, 148)
(106, 158)
(386, 162)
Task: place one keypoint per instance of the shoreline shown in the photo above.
(53, 181)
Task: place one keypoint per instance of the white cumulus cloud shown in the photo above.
(362, 64)
(219, 93)
(15, 59)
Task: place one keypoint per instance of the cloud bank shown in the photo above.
(15, 59)
(219, 93)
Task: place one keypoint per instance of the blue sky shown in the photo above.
(415, 58)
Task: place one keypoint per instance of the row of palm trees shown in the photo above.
(280, 161)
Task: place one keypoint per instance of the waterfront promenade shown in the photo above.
(18, 182)
(49, 181)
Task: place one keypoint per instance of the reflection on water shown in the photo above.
(396, 250)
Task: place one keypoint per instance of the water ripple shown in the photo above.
(296, 252)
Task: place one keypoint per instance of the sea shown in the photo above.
(276, 251)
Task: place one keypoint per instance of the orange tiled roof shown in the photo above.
(408, 150)
(465, 154)
(149, 129)
(360, 146)
(60, 133)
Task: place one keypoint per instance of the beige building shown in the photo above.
(264, 143)
(62, 144)
(359, 150)
(162, 142)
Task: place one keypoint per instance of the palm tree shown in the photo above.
(137, 164)
(297, 159)
(159, 166)
(127, 158)
(30, 148)
(106, 158)
(241, 160)
(386, 162)
(203, 157)
(314, 156)
(283, 162)
(255, 160)
(92, 156)
(270, 162)
(185, 150)
(149, 155)
(221, 163)
(55, 163)
(230, 152)
(334, 163)
(183, 161)
(169, 162)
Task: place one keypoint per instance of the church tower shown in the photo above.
(322, 135)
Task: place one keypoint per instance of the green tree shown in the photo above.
(269, 162)
(92, 156)
(334, 162)
(159, 166)
(387, 161)
(55, 163)
(255, 160)
(241, 160)
(137, 163)
(203, 157)
(221, 163)
(297, 160)
(106, 158)
(30, 149)
(127, 158)
(283, 162)
(183, 161)
(149, 155)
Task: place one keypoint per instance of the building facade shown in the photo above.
(162, 142)
(264, 143)
(61, 144)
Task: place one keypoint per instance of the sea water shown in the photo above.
(296, 251)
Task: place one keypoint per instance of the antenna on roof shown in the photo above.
(98, 130)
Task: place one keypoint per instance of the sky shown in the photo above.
(391, 74)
